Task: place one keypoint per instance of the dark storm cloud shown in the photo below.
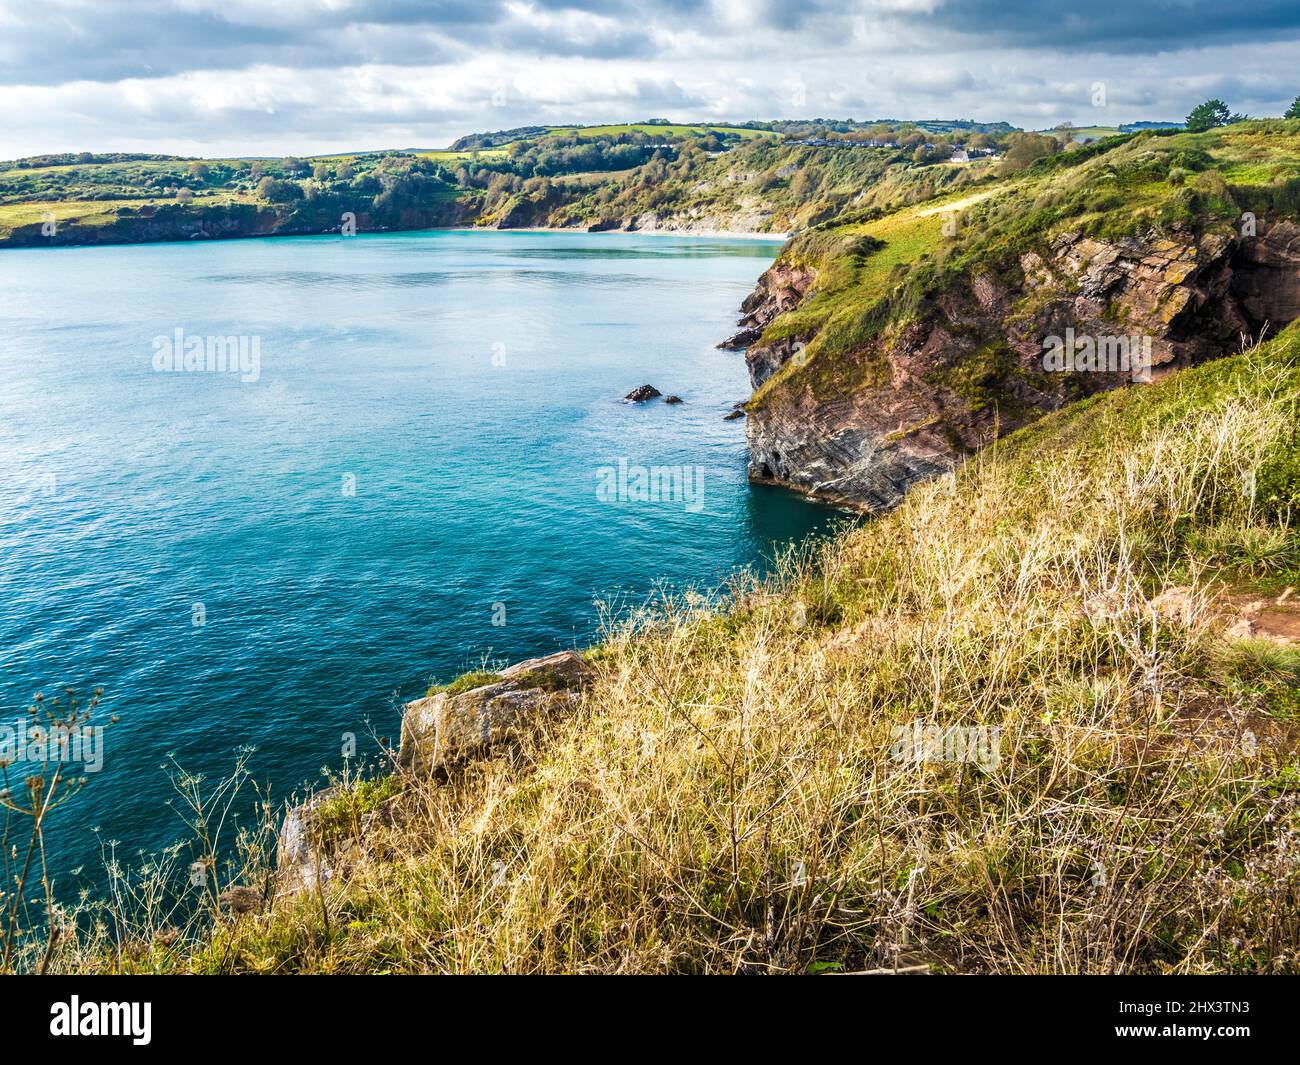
(1130, 26)
(68, 40)
(61, 41)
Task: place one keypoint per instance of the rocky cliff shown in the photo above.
(967, 364)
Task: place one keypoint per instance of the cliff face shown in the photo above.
(969, 365)
(753, 215)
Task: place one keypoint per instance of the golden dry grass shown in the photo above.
(729, 796)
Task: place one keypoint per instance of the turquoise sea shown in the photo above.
(415, 476)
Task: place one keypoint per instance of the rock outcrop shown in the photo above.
(444, 729)
(781, 288)
(740, 340)
(641, 393)
(970, 366)
(300, 862)
(439, 732)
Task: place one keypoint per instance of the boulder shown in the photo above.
(441, 730)
(299, 863)
(672, 399)
(641, 393)
(741, 339)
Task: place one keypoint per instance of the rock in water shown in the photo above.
(672, 399)
(641, 394)
(736, 412)
(740, 340)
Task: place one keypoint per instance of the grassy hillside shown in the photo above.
(667, 129)
(730, 794)
(753, 178)
(879, 270)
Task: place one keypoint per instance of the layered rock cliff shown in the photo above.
(965, 362)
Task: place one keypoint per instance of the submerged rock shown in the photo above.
(443, 729)
(641, 393)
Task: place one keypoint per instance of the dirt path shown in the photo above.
(958, 205)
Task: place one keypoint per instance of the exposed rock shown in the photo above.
(741, 339)
(733, 414)
(920, 398)
(672, 399)
(781, 288)
(299, 864)
(1266, 274)
(440, 730)
(641, 393)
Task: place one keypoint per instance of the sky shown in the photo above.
(275, 77)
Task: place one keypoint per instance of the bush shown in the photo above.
(277, 190)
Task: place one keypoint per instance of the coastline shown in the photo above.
(730, 234)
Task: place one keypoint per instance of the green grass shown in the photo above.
(475, 678)
(1111, 189)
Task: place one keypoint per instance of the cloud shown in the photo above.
(247, 76)
(1122, 26)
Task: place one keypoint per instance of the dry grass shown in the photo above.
(727, 798)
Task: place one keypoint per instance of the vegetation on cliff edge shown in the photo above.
(736, 791)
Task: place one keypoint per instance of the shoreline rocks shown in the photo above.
(740, 340)
(439, 732)
(969, 368)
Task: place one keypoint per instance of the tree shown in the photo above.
(1026, 148)
(276, 190)
(1294, 110)
(1208, 115)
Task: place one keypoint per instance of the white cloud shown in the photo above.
(246, 77)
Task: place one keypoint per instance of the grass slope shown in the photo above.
(874, 271)
(729, 796)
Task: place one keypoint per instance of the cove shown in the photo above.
(407, 488)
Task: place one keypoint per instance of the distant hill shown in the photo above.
(1137, 127)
